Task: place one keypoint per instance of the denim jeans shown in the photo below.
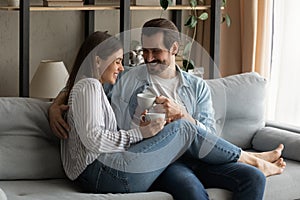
(136, 169)
(187, 178)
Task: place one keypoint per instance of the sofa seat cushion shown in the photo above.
(238, 101)
(278, 187)
(285, 185)
(63, 189)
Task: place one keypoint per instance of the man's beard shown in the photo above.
(156, 67)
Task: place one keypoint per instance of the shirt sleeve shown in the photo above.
(204, 109)
(92, 115)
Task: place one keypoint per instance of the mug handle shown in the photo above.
(143, 118)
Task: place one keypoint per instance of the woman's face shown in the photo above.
(111, 73)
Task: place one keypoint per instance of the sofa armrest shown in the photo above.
(270, 137)
(283, 126)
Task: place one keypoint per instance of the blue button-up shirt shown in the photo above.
(193, 91)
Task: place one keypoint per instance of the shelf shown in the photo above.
(89, 8)
(63, 8)
(178, 7)
(99, 7)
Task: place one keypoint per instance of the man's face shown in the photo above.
(156, 55)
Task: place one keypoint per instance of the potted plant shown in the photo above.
(191, 22)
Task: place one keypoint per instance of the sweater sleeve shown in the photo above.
(92, 115)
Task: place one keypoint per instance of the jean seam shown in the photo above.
(123, 179)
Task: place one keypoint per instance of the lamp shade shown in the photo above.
(49, 79)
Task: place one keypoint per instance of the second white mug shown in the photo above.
(153, 116)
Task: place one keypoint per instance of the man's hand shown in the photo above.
(173, 110)
(58, 125)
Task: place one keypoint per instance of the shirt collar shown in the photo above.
(142, 76)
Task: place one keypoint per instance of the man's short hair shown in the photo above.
(167, 27)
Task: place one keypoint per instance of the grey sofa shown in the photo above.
(30, 166)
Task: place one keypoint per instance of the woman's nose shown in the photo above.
(121, 68)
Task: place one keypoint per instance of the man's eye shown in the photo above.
(145, 51)
(156, 51)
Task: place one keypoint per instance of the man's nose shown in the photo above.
(148, 57)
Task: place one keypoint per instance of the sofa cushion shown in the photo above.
(238, 101)
(28, 149)
(269, 138)
(63, 189)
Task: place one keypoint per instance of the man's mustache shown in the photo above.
(154, 61)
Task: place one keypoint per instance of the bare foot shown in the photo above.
(270, 156)
(268, 168)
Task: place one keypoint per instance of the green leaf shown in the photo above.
(203, 16)
(191, 21)
(164, 4)
(187, 49)
(224, 2)
(228, 20)
(193, 3)
(170, 2)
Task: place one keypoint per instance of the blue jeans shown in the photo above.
(187, 179)
(136, 169)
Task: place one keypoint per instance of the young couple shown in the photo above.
(181, 154)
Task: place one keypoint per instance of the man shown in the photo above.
(179, 95)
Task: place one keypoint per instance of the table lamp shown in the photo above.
(49, 79)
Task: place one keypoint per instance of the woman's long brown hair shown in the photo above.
(87, 46)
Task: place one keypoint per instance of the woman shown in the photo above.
(102, 159)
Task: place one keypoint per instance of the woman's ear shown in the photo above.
(97, 71)
(98, 62)
(174, 48)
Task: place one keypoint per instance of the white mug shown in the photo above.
(145, 101)
(152, 116)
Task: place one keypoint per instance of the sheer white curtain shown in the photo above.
(283, 102)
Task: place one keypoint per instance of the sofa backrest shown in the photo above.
(239, 106)
(28, 149)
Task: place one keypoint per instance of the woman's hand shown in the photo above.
(58, 125)
(151, 128)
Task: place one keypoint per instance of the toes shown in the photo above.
(280, 147)
(280, 163)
